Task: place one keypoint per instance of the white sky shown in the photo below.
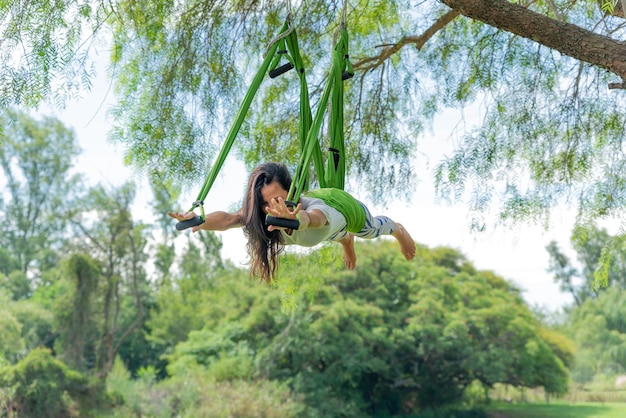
(516, 254)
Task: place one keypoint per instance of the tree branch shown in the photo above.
(617, 86)
(568, 39)
(138, 303)
(388, 50)
(555, 10)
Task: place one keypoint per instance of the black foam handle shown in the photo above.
(285, 223)
(189, 223)
(346, 75)
(280, 70)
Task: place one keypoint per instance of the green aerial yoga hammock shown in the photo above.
(333, 176)
(285, 44)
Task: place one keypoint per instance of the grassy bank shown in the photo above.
(558, 410)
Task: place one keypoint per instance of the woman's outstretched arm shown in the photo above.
(214, 221)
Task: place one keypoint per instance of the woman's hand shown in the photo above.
(183, 216)
(278, 208)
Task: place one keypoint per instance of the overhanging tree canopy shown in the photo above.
(540, 72)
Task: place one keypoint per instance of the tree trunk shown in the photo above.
(563, 37)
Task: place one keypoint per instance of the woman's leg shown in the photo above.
(407, 245)
(376, 226)
(349, 255)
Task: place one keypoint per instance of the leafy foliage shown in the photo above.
(546, 117)
(11, 341)
(35, 158)
(560, 133)
(601, 260)
(184, 302)
(44, 53)
(115, 242)
(548, 133)
(76, 313)
(599, 331)
(36, 323)
(176, 107)
(390, 337)
(595, 321)
(196, 395)
(41, 385)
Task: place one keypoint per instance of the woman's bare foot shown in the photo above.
(349, 255)
(407, 245)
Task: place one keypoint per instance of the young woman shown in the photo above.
(324, 215)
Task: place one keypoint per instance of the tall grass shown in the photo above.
(558, 410)
(599, 398)
(597, 391)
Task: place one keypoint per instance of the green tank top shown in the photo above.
(347, 205)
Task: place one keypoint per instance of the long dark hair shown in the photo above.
(263, 246)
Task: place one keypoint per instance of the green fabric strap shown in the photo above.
(349, 207)
(299, 183)
(306, 118)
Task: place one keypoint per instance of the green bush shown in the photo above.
(41, 386)
(197, 394)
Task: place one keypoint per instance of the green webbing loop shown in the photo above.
(334, 176)
(336, 166)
